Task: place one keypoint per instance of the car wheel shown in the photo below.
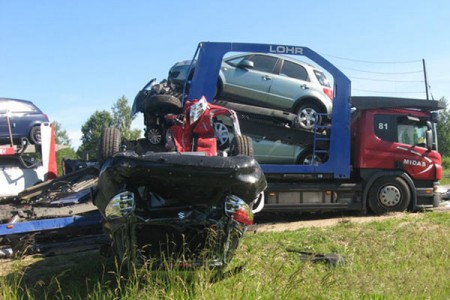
(241, 145)
(222, 135)
(124, 250)
(35, 135)
(308, 116)
(388, 194)
(308, 158)
(109, 143)
(162, 104)
(155, 135)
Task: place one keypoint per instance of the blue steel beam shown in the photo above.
(210, 55)
(50, 224)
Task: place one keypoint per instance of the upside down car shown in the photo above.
(187, 205)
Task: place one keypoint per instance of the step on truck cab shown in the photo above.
(380, 152)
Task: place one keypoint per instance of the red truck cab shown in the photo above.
(394, 152)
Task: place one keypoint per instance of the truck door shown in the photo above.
(403, 145)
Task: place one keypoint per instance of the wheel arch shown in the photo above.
(309, 100)
(373, 176)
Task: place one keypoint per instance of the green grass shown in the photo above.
(401, 258)
(445, 177)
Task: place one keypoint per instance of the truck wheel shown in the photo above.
(308, 116)
(109, 143)
(35, 134)
(388, 194)
(241, 145)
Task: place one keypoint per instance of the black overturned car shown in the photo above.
(172, 207)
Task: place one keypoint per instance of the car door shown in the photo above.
(250, 85)
(290, 84)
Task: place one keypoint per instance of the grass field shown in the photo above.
(445, 177)
(400, 258)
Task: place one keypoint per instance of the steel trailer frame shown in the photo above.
(210, 55)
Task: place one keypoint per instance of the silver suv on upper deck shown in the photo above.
(271, 81)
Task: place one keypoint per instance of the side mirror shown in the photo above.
(245, 64)
(435, 117)
(429, 136)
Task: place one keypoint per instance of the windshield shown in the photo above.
(413, 134)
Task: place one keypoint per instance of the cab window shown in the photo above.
(412, 134)
(399, 129)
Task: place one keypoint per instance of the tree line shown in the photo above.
(119, 117)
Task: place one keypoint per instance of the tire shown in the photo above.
(155, 135)
(110, 141)
(308, 115)
(162, 105)
(241, 145)
(35, 135)
(124, 250)
(307, 158)
(389, 194)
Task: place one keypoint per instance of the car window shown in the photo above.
(235, 61)
(293, 70)
(322, 78)
(264, 63)
(16, 107)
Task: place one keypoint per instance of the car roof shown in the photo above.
(288, 58)
(16, 100)
(25, 102)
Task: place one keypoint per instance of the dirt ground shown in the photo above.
(280, 223)
(280, 226)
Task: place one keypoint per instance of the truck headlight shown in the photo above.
(120, 205)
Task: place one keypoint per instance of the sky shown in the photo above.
(72, 58)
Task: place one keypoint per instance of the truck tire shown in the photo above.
(308, 115)
(241, 145)
(109, 143)
(389, 194)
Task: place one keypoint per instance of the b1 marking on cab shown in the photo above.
(285, 49)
